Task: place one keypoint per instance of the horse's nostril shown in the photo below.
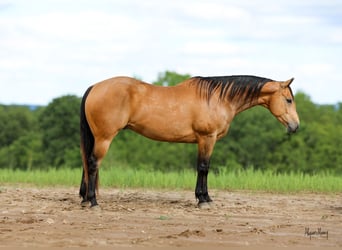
(292, 128)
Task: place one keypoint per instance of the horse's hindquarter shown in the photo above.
(107, 106)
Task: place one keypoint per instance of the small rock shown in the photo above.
(50, 221)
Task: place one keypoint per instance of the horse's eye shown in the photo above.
(288, 100)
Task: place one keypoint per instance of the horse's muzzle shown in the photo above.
(292, 128)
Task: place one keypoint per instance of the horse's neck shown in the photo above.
(242, 105)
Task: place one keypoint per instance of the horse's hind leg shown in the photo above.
(100, 150)
(92, 175)
(83, 191)
(92, 180)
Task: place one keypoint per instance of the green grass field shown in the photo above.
(130, 178)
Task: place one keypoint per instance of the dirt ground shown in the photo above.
(53, 217)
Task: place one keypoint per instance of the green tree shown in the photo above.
(20, 145)
(253, 134)
(24, 153)
(131, 149)
(170, 78)
(15, 122)
(59, 124)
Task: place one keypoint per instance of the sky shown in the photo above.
(51, 48)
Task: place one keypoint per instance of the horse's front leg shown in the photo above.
(205, 148)
(201, 190)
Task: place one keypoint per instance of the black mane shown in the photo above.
(231, 87)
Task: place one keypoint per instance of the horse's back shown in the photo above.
(116, 89)
(115, 85)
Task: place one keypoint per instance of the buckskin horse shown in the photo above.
(197, 110)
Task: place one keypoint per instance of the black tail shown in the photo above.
(87, 145)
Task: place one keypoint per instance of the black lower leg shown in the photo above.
(92, 192)
(83, 189)
(201, 190)
(198, 190)
(205, 187)
(92, 171)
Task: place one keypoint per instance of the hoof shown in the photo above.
(204, 205)
(85, 203)
(95, 208)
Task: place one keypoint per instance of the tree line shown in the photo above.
(48, 136)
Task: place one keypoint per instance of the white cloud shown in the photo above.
(60, 47)
(315, 68)
(336, 36)
(292, 20)
(214, 11)
(209, 48)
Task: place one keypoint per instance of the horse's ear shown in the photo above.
(287, 83)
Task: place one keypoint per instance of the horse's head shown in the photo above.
(282, 105)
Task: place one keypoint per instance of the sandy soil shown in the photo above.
(53, 217)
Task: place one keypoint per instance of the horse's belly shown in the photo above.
(165, 132)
